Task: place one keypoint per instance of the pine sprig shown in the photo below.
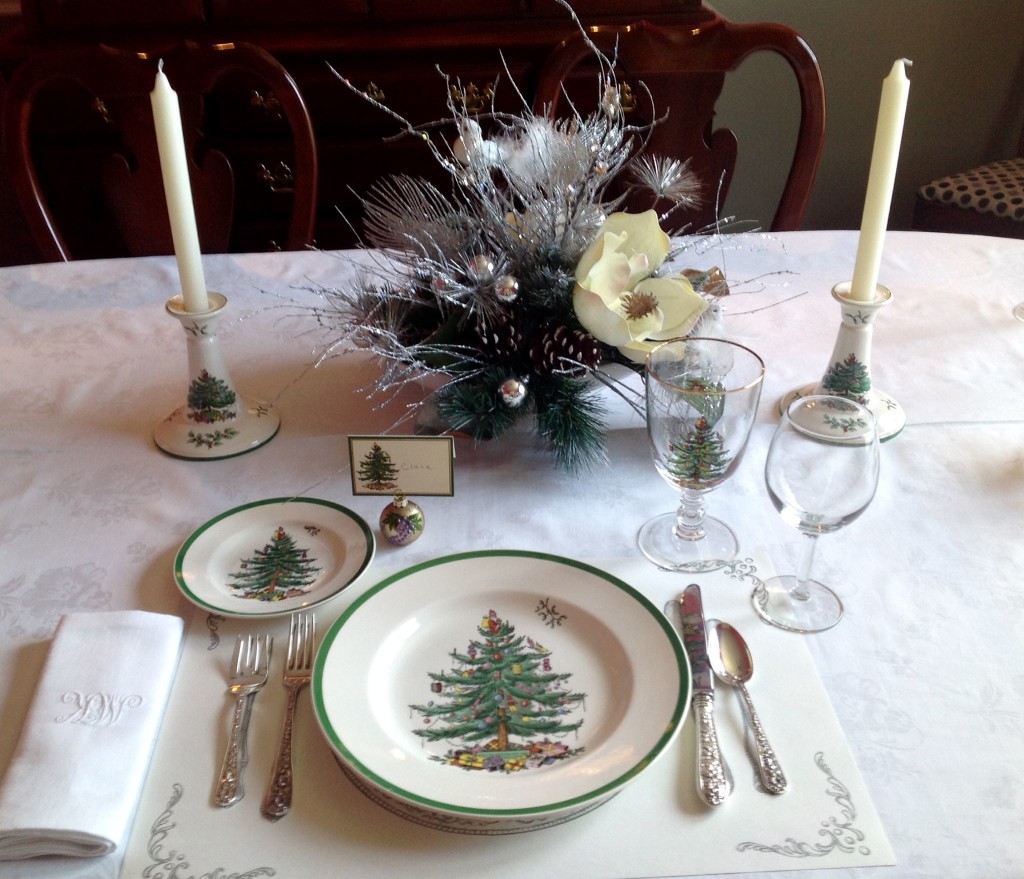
(475, 407)
(570, 421)
(546, 283)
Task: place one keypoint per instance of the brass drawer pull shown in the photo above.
(627, 99)
(471, 98)
(270, 105)
(281, 179)
(101, 110)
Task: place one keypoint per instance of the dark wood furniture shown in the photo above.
(80, 141)
(688, 66)
(391, 48)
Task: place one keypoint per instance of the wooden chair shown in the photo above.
(685, 70)
(82, 158)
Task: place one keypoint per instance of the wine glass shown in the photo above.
(702, 396)
(821, 472)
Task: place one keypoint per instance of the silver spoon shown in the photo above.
(731, 661)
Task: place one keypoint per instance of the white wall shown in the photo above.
(966, 101)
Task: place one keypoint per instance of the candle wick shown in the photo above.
(160, 66)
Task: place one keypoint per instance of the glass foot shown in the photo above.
(1018, 311)
(777, 603)
(658, 541)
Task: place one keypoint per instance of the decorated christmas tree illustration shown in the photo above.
(502, 701)
(699, 458)
(848, 378)
(377, 471)
(706, 397)
(280, 570)
(210, 399)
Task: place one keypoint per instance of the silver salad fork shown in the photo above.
(297, 673)
(250, 666)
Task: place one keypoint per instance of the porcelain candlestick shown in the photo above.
(215, 422)
(849, 371)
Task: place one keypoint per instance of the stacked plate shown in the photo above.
(498, 692)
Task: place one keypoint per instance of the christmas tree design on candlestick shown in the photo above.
(377, 471)
(848, 378)
(699, 458)
(503, 701)
(280, 570)
(210, 399)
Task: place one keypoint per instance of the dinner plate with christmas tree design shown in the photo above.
(273, 557)
(500, 691)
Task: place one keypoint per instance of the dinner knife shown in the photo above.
(714, 782)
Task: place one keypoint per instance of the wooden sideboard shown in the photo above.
(397, 48)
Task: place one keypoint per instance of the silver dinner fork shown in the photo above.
(250, 666)
(297, 673)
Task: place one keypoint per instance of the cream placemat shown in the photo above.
(656, 827)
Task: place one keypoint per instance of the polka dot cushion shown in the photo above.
(996, 188)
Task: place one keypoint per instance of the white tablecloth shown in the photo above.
(924, 671)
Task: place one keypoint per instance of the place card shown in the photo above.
(408, 465)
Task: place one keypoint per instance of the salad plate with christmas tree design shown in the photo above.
(273, 557)
(500, 691)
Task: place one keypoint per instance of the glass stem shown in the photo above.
(803, 574)
(690, 516)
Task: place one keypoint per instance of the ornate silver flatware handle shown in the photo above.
(772, 776)
(712, 776)
(278, 798)
(229, 783)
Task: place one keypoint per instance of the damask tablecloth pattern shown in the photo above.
(925, 670)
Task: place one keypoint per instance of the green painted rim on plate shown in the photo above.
(678, 711)
(179, 559)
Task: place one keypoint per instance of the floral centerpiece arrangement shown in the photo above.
(521, 285)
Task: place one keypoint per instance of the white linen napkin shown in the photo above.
(77, 773)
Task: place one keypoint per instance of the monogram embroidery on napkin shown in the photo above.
(97, 709)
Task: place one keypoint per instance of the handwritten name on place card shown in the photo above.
(410, 465)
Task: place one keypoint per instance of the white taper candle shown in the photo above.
(180, 208)
(888, 135)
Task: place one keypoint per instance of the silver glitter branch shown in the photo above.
(475, 285)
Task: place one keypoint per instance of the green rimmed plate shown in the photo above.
(273, 557)
(501, 691)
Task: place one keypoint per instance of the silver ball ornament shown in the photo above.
(512, 392)
(506, 288)
(481, 267)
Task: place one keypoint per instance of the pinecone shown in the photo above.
(559, 350)
(500, 337)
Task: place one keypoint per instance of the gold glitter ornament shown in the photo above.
(402, 521)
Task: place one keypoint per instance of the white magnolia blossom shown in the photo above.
(619, 300)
